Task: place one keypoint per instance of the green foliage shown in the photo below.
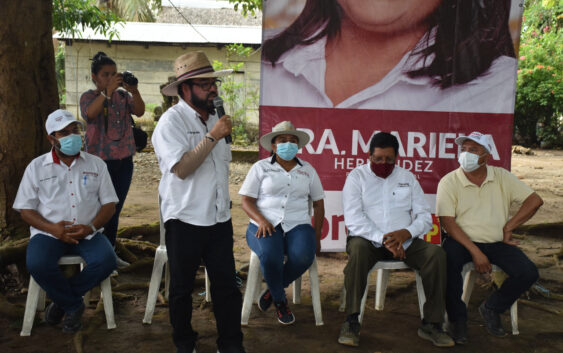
(60, 73)
(133, 10)
(238, 96)
(539, 94)
(69, 14)
(247, 6)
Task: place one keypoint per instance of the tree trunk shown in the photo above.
(28, 93)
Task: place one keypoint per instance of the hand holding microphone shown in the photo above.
(224, 125)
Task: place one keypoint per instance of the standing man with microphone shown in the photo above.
(194, 160)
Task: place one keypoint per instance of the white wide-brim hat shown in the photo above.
(284, 128)
(58, 120)
(192, 65)
(483, 140)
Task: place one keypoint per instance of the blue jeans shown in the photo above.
(298, 244)
(121, 173)
(43, 253)
(522, 273)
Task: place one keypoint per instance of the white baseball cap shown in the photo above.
(59, 119)
(483, 140)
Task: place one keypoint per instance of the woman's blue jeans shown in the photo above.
(298, 244)
(43, 254)
(121, 173)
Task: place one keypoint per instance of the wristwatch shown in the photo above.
(93, 228)
(208, 136)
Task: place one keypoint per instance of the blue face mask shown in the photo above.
(71, 144)
(286, 150)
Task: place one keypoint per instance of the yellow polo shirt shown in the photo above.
(481, 211)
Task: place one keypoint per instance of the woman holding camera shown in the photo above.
(109, 133)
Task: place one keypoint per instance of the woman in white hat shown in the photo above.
(276, 195)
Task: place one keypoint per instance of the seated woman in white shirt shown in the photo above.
(431, 55)
(276, 195)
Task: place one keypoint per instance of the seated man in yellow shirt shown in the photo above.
(473, 204)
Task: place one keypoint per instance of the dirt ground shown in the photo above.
(390, 330)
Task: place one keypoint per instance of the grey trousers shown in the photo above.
(428, 259)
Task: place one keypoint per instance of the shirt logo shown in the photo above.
(303, 173)
(48, 178)
(90, 173)
(272, 171)
(404, 185)
(193, 132)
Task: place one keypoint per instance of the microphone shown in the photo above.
(218, 103)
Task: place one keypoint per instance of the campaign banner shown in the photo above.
(426, 72)
(340, 142)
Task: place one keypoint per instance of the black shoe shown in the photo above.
(73, 320)
(350, 333)
(54, 314)
(285, 316)
(458, 331)
(492, 321)
(265, 300)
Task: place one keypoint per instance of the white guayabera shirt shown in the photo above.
(374, 206)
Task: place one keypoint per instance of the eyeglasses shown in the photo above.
(206, 86)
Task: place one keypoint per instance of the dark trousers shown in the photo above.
(428, 259)
(187, 245)
(43, 254)
(121, 173)
(522, 273)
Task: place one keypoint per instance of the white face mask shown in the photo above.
(469, 161)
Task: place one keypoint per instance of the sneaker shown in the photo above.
(121, 263)
(285, 316)
(350, 334)
(492, 321)
(433, 333)
(54, 314)
(265, 300)
(73, 320)
(458, 331)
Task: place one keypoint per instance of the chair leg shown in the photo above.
(316, 293)
(381, 289)
(514, 318)
(468, 283)
(207, 286)
(108, 302)
(420, 294)
(297, 291)
(253, 278)
(33, 293)
(156, 277)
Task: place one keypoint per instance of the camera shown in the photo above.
(129, 78)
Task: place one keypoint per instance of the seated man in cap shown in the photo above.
(66, 195)
(473, 204)
(387, 215)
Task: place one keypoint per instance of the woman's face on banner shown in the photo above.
(388, 16)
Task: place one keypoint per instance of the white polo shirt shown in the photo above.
(374, 206)
(62, 193)
(202, 198)
(281, 196)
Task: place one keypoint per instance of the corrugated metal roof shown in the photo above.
(147, 32)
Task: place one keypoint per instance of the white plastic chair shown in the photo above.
(383, 268)
(254, 284)
(36, 297)
(160, 260)
(469, 274)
